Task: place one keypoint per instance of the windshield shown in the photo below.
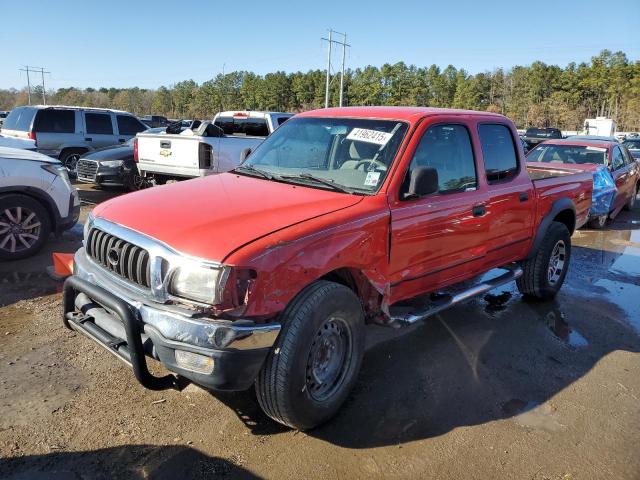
(354, 154)
(543, 133)
(568, 154)
(632, 144)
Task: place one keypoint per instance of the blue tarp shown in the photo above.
(604, 192)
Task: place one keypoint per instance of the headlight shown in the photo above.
(111, 163)
(87, 226)
(199, 283)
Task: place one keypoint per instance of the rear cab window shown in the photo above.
(98, 123)
(55, 121)
(127, 125)
(244, 126)
(499, 152)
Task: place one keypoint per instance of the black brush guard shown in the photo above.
(129, 350)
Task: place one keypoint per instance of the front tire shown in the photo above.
(316, 359)
(24, 226)
(544, 273)
(633, 201)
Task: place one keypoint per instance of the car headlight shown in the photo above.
(199, 283)
(88, 223)
(58, 170)
(111, 163)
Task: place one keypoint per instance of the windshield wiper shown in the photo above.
(323, 181)
(251, 170)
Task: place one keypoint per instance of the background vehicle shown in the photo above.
(587, 138)
(3, 115)
(13, 142)
(208, 150)
(633, 145)
(68, 132)
(154, 121)
(112, 166)
(266, 275)
(533, 136)
(587, 155)
(36, 198)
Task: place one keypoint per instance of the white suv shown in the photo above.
(36, 198)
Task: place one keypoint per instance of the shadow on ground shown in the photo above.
(128, 462)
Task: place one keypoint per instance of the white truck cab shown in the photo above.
(215, 147)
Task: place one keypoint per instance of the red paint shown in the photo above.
(390, 249)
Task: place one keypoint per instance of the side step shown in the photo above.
(403, 320)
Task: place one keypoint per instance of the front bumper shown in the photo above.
(132, 330)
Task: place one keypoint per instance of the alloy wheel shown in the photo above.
(556, 262)
(20, 229)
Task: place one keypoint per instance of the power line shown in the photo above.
(344, 44)
(41, 70)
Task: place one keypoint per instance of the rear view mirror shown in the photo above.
(244, 154)
(423, 181)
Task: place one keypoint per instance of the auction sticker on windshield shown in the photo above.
(369, 136)
(372, 179)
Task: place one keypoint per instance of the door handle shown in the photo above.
(524, 196)
(479, 210)
(88, 139)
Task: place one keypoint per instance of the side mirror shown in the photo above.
(244, 154)
(423, 181)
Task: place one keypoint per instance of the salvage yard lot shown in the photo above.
(498, 387)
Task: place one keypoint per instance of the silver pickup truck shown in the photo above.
(213, 148)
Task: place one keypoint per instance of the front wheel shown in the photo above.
(598, 223)
(24, 226)
(544, 273)
(316, 359)
(633, 201)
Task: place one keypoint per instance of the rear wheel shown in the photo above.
(24, 227)
(544, 274)
(316, 359)
(600, 222)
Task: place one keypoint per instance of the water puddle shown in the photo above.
(556, 322)
(532, 414)
(626, 296)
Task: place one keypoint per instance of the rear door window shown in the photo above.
(127, 125)
(499, 153)
(98, 123)
(55, 121)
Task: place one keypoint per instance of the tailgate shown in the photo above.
(177, 151)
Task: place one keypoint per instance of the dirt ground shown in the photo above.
(496, 388)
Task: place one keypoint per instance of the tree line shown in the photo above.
(538, 95)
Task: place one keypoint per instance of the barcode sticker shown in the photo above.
(369, 136)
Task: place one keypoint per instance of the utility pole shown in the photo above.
(28, 69)
(344, 44)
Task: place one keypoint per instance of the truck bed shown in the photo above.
(553, 182)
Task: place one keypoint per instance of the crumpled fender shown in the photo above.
(286, 261)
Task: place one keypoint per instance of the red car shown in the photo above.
(267, 275)
(588, 155)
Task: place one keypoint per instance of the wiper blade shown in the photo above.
(323, 181)
(251, 170)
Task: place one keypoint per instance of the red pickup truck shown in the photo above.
(267, 275)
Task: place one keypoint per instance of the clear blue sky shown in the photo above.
(148, 44)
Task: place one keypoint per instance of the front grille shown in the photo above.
(86, 169)
(120, 257)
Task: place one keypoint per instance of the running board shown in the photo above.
(404, 320)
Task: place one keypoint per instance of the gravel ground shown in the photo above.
(496, 388)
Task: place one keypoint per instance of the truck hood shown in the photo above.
(213, 216)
